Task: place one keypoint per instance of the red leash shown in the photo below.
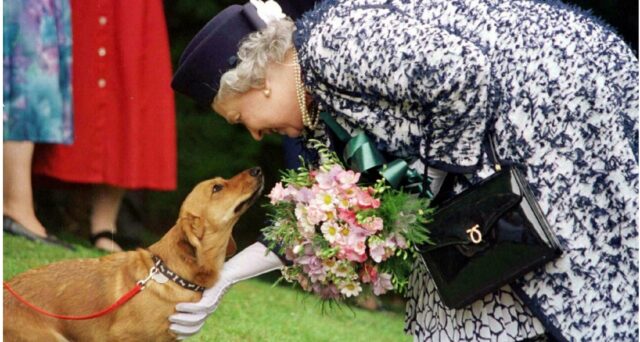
(134, 291)
(105, 311)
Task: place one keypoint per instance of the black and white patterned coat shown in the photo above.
(558, 88)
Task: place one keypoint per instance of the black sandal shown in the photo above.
(103, 234)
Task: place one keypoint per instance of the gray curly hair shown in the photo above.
(256, 51)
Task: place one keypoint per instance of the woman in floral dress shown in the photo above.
(37, 101)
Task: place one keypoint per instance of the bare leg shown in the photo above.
(18, 191)
(105, 206)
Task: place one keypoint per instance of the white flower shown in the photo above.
(325, 201)
(330, 230)
(330, 265)
(268, 11)
(351, 288)
(304, 226)
(343, 269)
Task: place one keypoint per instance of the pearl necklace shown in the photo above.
(308, 119)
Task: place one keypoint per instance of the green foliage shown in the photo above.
(406, 213)
(328, 158)
(400, 269)
(281, 231)
(298, 177)
(409, 215)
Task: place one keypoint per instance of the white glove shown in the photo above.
(437, 178)
(251, 262)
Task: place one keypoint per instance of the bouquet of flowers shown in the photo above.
(341, 237)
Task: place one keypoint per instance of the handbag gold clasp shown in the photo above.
(475, 235)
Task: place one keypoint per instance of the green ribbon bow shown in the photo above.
(361, 155)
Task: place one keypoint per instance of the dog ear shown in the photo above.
(231, 247)
(193, 229)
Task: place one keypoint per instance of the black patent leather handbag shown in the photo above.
(486, 237)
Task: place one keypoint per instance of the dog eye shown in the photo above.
(217, 187)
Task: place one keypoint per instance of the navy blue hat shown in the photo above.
(213, 50)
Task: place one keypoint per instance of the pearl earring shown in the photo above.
(267, 92)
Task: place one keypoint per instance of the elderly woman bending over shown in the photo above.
(556, 88)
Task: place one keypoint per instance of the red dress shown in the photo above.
(124, 113)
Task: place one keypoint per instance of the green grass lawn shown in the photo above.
(253, 310)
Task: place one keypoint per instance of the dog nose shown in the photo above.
(255, 172)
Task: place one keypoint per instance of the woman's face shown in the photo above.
(261, 114)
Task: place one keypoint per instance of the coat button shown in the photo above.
(102, 20)
(102, 83)
(102, 52)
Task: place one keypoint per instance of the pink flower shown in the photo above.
(347, 216)
(327, 180)
(315, 269)
(350, 193)
(312, 266)
(401, 241)
(382, 284)
(349, 253)
(365, 200)
(347, 179)
(376, 250)
(304, 226)
(335, 170)
(326, 292)
(303, 195)
(353, 237)
(369, 273)
(315, 215)
(359, 247)
(317, 276)
(373, 224)
(389, 247)
(277, 194)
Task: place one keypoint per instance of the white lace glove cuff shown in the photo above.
(250, 262)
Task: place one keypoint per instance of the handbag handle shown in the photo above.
(426, 182)
(494, 154)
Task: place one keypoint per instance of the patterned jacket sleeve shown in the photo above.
(375, 54)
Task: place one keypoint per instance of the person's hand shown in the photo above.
(252, 261)
(190, 317)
